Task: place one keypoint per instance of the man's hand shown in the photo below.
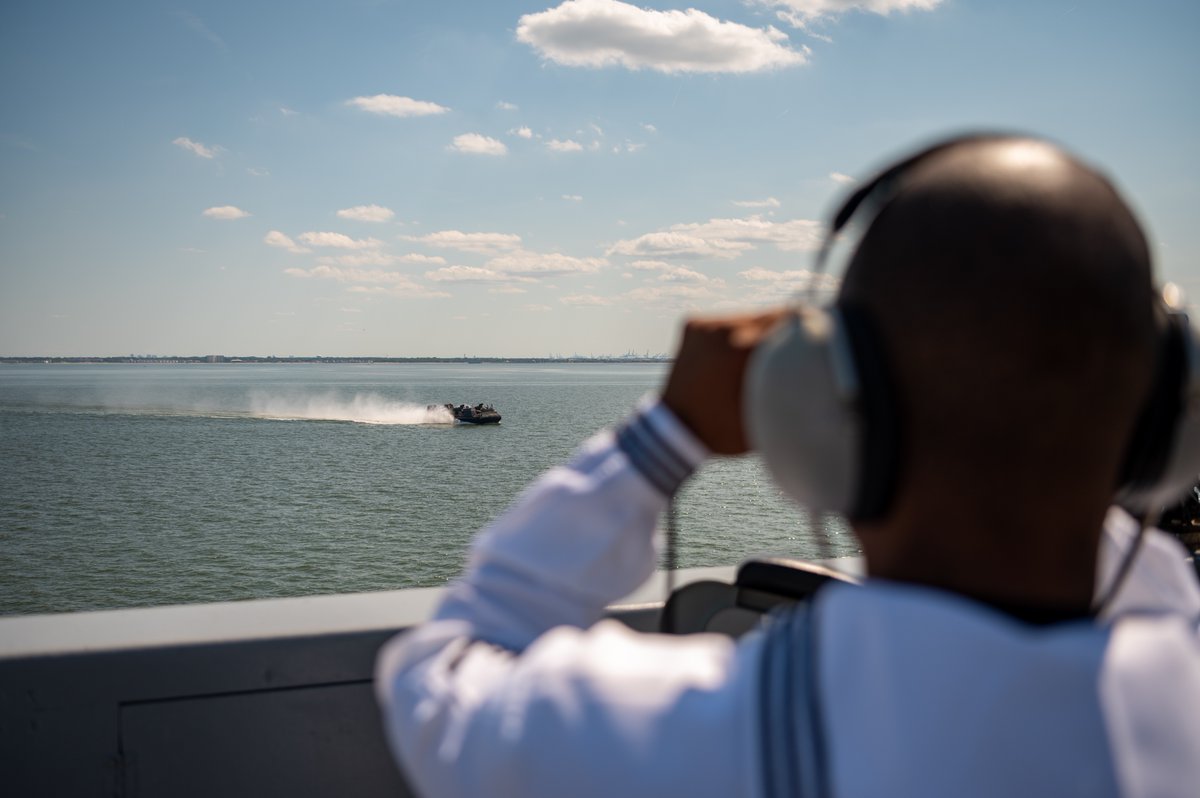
(705, 386)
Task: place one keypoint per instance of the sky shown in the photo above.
(393, 179)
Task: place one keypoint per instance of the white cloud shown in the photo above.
(367, 280)
(225, 212)
(585, 300)
(799, 12)
(392, 105)
(278, 239)
(472, 274)
(367, 213)
(649, 128)
(478, 144)
(573, 197)
(416, 257)
(288, 111)
(536, 308)
(838, 177)
(554, 145)
(257, 172)
(368, 257)
(669, 273)
(373, 257)
(677, 245)
(672, 295)
(409, 289)
(544, 264)
(796, 235)
(681, 274)
(350, 274)
(770, 275)
(786, 283)
(722, 238)
(503, 106)
(338, 241)
(486, 243)
(769, 202)
(506, 289)
(523, 132)
(599, 33)
(195, 147)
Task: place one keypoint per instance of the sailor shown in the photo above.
(1000, 322)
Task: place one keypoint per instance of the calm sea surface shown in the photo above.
(163, 484)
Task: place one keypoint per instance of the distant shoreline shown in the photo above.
(254, 359)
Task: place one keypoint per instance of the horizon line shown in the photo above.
(235, 359)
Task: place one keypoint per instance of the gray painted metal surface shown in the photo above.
(259, 698)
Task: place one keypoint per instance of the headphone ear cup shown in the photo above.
(1165, 453)
(800, 401)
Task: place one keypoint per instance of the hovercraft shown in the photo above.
(467, 414)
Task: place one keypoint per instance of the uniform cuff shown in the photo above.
(660, 446)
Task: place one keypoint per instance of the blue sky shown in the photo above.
(518, 178)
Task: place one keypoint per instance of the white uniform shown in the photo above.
(517, 688)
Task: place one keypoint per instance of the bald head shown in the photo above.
(1011, 285)
(1011, 288)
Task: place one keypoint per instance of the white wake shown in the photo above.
(361, 408)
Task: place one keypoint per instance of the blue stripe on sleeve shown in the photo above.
(651, 454)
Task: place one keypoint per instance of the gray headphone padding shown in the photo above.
(1183, 462)
(800, 401)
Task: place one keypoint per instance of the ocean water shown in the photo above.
(137, 485)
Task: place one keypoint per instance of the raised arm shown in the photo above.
(514, 689)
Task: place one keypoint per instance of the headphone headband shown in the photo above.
(883, 185)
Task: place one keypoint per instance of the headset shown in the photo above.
(819, 401)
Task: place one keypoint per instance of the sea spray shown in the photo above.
(363, 408)
(367, 408)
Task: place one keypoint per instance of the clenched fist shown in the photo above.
(704, 388)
